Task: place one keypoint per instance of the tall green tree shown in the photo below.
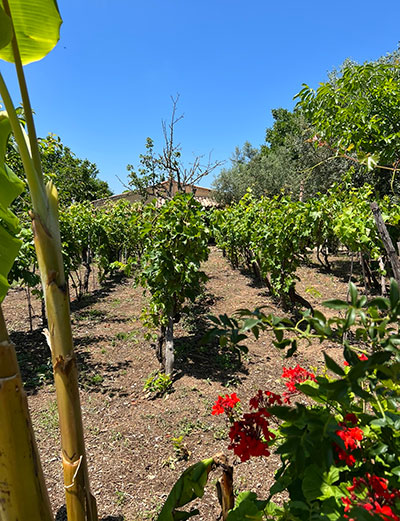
(357, 113)
(75, 179)
(290, 162)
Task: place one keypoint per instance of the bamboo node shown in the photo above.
(75, 473)
(64, 364)
(7, 379)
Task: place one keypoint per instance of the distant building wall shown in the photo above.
(205, 196)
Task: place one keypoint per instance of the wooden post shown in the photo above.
(383, 279)
(387, 242)
(225, 485)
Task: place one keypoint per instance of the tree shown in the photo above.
(76, 179)
(288, 162)
(175, 244)
(155, 168)
(358, 115)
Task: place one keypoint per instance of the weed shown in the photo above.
(116, 436)
(91, 314)
(158, 384)
(221, 434)
(95, 430)
(49, 418)
(96, 379)
(180, 449)
(124, 337)
(181, 452)
(120, 497)
(186, 426)
(313, 292)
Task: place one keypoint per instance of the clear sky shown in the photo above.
(107, 84)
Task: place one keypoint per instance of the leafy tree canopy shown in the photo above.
(357, 112)
(76, 179)
(289, 161)
(352, 121)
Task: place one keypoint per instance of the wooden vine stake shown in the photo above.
(225, 485)
(387, 241)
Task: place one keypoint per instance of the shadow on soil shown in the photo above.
(98, 294)
(34, 355)
(62, 516)
(36, 369)
(204, 360)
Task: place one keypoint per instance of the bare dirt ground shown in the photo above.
(132, 460)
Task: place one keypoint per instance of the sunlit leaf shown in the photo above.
(36, 25)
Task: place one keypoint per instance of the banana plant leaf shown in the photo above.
(188, 487)
(10, 187)
(36, 25)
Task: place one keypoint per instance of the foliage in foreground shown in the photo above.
(336, 432)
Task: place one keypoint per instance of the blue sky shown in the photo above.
(107, 85)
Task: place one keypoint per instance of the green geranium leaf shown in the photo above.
(36, 25)
(247, 507)
(335, 304)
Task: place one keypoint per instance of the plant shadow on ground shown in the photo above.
(98, 377)
(62, 516)
(200, 359)
(340, 267)
(252, 280)
(34, 360)
(98, 294)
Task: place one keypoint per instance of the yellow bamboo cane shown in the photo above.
(80, 503)
(23, 493)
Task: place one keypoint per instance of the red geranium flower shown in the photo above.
(225, 404)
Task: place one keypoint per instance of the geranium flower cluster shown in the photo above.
(226, 404)
(250, 436)
(297, 375)
(377, 499)
(265, 399)
(361, 357)
(351, 437)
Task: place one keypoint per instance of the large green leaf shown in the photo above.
(37, 28)
(10, 187)
(188, 487)
(5, 29)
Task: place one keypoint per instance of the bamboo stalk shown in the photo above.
(23, 493)
(79, 501)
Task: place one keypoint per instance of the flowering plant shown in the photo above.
(339, 445)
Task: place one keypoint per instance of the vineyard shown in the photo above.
(160, 360)
(132, 456)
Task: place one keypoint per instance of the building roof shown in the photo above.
(205, 196)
